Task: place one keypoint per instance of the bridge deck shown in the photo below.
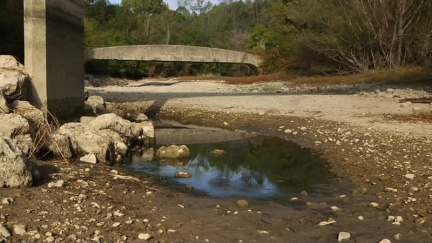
(171, 53)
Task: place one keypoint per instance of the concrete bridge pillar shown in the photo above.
(54, 54)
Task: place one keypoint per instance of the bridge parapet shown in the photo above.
(172, 53)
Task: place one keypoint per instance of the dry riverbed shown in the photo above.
(384, 167)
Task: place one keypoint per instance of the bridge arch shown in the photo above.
(172, 53)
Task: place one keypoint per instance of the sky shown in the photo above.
(171, 3)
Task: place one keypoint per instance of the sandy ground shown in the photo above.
(383, 167)
(340, 104)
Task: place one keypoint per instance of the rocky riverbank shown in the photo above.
(385, 171)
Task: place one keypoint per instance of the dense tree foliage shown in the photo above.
(312, 36)
(307, 36)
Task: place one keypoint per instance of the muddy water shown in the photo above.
(254, 166)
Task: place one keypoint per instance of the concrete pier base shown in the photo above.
(54, 54)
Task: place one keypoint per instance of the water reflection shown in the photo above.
(253, 167)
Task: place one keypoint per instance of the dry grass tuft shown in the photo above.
(400, 75)
(43, 135)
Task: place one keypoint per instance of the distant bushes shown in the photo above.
(135, 69)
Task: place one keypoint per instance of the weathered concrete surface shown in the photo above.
(171, 53)
(54, 54)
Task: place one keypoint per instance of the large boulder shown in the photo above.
(16, 170)
(95, 105)
(136, 117)
(10, 62)
(35, 117)
(17, 128)
(4, 106)
(173, 152)
(59, 145)
(126, 129)
(84, 140)
(148, 132)
(14, 84)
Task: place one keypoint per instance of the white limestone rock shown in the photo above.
(173, 152)
(90, 158)
(344, 236)
(58, 144)
(85, 141)
(16, 169)
(10, 62)
(18, 129)
(14, 84)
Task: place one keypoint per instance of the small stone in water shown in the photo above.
(181, 174)
(243, 203)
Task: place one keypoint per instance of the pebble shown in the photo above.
(335, 209)
(343, 236)
(325, 223)
(243, 203)
(90, 158)
(171, 231)
(116, 224)
(190, 187)
(410, 176)
(385, 241)
(360, 217)
(7, 200)
(144, 236)
(58, 184)
(50, 239)
(288, 131)
(398, 236)
(4, 232)
(373, 205)
(19, 229)
(303, 128)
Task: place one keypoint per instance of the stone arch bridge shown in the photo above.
(172, 53)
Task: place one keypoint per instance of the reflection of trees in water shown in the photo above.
(256, 159)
